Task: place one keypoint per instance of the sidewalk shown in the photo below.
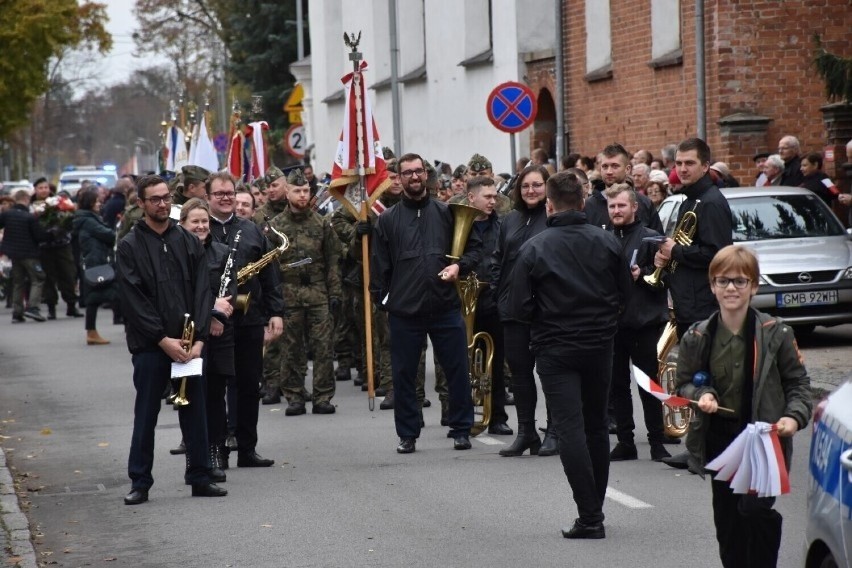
(17, 543)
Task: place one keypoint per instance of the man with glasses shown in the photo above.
(412, 279)
(264, 320)
(162, 274)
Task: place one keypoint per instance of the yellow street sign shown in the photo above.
(293, 106)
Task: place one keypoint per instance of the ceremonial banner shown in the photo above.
(235, 157)
(202, 152)
(177, 155)
(345, 173)
(259, 153)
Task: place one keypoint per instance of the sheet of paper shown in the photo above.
(191, 368)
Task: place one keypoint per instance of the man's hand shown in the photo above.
(363, 228)
(195, 352)
(274, 328)
(661, 260)
(450, 273)
(216, 327)
(708, 403)
(787, 426)
(223, 306)
(173, 347)
(635, 271)
(666, 247)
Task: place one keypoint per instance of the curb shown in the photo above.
(14, 525)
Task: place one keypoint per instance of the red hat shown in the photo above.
(673, 177)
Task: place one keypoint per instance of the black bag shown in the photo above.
(98, 277)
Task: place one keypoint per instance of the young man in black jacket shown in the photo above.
(411, 278)
(570, 283)
(21, 237)
(162, 274)
(639, 326)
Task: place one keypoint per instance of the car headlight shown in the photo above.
(847, 274)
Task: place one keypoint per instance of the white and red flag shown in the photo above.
(355, 158)
(259, 151)
(754, 462)
(653, 387)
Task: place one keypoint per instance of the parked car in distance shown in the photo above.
(668, 211)
(73, 177)
(828, 536)
(10, 187)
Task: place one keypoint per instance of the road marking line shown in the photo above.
(626, 500)
(488, 440)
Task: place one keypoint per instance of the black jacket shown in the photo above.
(220, 349)
(112, 208)
(569, 284)
(487, 230)
(792, 175)
(266, 298)
(22, 233)
(645, 305)
(598, 214)
(94, 238)
(814, 182)
(411, 241)
(161, 278)
(689, 283)
(518, 227)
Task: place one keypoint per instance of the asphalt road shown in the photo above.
(338, 495)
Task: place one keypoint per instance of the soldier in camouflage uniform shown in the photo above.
(311, 291)
(192, 183)
(132, 213)
(479, 165)
(276, 196)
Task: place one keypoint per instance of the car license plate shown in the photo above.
(799, 299)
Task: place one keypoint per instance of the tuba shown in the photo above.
(252, 269)
(683, 235)
(675, 420)
(480, 346)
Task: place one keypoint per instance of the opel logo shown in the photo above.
(805, 277)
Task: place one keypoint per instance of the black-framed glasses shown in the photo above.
(533, 185)
(158, 199)
(224, 194)
(411, 173)
(739, 283)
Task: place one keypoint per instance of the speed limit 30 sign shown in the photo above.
(294, 141)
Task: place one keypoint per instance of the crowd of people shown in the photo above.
(256, 279)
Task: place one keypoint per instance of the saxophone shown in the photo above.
(252, 269)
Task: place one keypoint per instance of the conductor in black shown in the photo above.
(570, 283)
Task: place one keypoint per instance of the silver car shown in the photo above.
(804, 251)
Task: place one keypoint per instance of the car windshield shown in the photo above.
(782, 217)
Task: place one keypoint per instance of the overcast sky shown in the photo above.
(119, 64)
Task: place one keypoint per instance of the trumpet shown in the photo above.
(683, 235)
(187, 339)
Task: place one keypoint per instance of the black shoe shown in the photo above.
(380, 391)
(527, 440)
(34, 314)
(343, 374)
(271, 397)
(461, 442)
(136, 496)
(181, 449)
(387, 403)
(208, 490)
(72, 312)
(251, 459)
(323, 407)
(427, 403)
(550, 445)
(679, 461)
(51, 312)
(580, 530)
(659, 452)
(445, 413)
(295, 408)
(231, 443)
(18, 319)
(671, 440)
(216, 473)
(359, 381)
(510, 399)
(623, 452)
(500, 429)
(406, 446)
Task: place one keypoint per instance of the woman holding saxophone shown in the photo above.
(195, 218)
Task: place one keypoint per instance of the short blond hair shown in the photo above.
(617, 189)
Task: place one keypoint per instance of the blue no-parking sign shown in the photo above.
(511, 107)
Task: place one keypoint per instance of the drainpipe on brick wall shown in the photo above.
(560, 101)
(701, 103)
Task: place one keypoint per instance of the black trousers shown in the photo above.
(576, 386)
(640, 345)
(248, 362)
(151, 372)
(516, 341)
(490, 324)
(217, 426)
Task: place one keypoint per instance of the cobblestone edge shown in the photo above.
(15, 528)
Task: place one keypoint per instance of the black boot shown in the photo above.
(550, 445)
(72, 312)
(217, 475)
(180, 449)
(527, 440)
(224, 454)
(51, 311)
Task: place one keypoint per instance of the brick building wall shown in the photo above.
(757, 61)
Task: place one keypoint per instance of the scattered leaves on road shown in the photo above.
(266, 526)
(46, 431)
(103, 444)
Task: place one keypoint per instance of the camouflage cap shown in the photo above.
(175, 183)
(192, 174)
(387, 153)
(479, 163)
(459, 172)
(296, 177)
(272, 174)
(392, 165)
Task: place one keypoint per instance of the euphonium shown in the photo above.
(252, 269)
(683, 234)
(480, 346)
(675, 420)
(187, 340)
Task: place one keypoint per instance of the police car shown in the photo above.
(73, 177)
(828, 537)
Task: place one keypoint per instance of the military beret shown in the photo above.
(194, 174)
(296, 177)
(272, 174)
(459, 172)
(478, 163)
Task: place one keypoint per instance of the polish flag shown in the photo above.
(654, 389)
(754, 462)
(259, 152)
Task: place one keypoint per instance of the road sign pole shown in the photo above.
(513, 152)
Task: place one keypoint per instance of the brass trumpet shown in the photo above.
(683, 235)
(187, 339)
